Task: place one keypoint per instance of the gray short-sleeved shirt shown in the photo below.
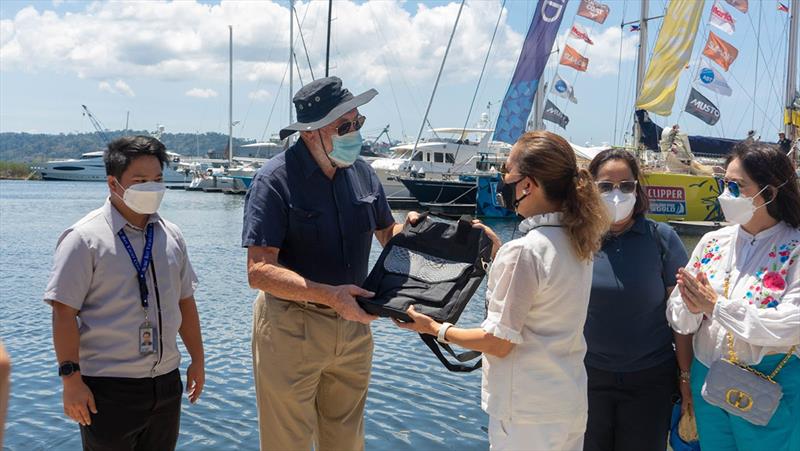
(93, 273)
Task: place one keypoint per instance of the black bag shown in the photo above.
(436, 267)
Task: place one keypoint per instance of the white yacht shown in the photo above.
(452, 152)
(90, 168)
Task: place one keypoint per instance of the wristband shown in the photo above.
(442, 332)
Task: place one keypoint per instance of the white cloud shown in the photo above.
(260, 95)
(201, 93)
(371, 41)
(119, 87)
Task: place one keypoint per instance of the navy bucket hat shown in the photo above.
(321, 102)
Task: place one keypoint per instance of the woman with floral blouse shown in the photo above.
(742, 282)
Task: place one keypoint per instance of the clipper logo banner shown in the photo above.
(667, 200)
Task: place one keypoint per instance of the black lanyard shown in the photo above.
(141, 270)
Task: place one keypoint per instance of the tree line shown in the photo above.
(37, 147)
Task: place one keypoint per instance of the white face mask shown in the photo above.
(143, 198)
(619, 204)
(739, 210)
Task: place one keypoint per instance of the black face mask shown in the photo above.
(506, 195)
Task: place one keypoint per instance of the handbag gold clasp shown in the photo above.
(739, 399)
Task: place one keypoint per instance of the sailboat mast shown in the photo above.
(791, 67)
(230, 95)
(291, 65)
(538, 107)
(328, 44)
(641, 65)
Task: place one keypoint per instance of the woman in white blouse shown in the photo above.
(759, 257)
(534, 379)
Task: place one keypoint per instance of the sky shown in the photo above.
(166, 63)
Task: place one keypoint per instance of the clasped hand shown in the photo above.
(697, 292)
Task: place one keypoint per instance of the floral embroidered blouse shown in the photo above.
(762, 309)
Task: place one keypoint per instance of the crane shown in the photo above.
(95, 123)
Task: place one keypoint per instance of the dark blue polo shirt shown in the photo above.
(626, 327)
(322, 227)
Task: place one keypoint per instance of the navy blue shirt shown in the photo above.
(626, 326)
(323, 227)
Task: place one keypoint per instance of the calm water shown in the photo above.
(413, 403)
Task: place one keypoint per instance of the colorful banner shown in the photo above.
(593, 10)
(741, 5)
(671, 53)
(554, 115)
(573, 59)
(702, 108)
(536, 50)
(563, 89)
(719, 51)
(722, 19)
(709, 78)
(578, 32)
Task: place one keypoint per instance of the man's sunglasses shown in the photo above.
(733, 187)
(625, 186)
(351, 126)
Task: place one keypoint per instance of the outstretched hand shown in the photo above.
(422, 323)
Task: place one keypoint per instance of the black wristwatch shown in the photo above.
(67, 368)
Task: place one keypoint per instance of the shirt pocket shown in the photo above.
(365, 212)
(303, 225)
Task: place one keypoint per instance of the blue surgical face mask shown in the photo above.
(346, 149)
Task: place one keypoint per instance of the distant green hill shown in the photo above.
(27, 147)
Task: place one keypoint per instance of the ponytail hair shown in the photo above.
(550, 161)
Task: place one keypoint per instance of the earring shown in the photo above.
(525, 192)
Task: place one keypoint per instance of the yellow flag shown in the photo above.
(672, 51)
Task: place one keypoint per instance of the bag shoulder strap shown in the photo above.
(462, 366)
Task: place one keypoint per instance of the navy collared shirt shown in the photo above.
(323, 227)
(626, 326)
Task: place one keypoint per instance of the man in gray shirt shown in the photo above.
(122, 289)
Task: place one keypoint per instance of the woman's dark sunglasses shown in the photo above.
(625, 186)
(351, 126)
(733, 187)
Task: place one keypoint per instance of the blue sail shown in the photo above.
(532, 60)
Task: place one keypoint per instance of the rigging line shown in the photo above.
(704, 29)
(759, 51)
(758, 44)
(779, 101)
(619, 73)
(751, 99)
(297, 65)
(274, 102)
(389, 77)
(438, 77)
(303, 40)
(480, 79)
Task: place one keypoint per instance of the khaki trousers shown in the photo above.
(311, 370)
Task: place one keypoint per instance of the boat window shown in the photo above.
(427, 156)
(417, 157)
(438, 157)
(68, 168)
(449, 158)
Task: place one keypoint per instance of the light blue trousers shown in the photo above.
(720, 431)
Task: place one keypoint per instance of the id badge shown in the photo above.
(147, 339)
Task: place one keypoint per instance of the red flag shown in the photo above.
(720, 51)
(722, 19)
(782, 7)
(593, 10)
(573, 59)
(741, 5)
(579, 32)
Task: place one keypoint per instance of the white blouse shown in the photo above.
(762, 310)
(538, 293)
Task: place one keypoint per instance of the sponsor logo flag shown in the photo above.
(672, 51)
(563, 89)
(635, 28)
(719, 51)
(593, 10)
(741, 5)
(554, 115)
(536, 49)
(722, 19)
(573, 59)
(702, 108)
(578, 32)
(782, 7)
(710, 79)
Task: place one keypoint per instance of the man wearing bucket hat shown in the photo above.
(309, 218)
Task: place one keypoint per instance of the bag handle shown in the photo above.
(462, 358)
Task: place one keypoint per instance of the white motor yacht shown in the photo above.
(90, 168)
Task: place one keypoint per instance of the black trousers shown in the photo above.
(630, 411)
(134, 414)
